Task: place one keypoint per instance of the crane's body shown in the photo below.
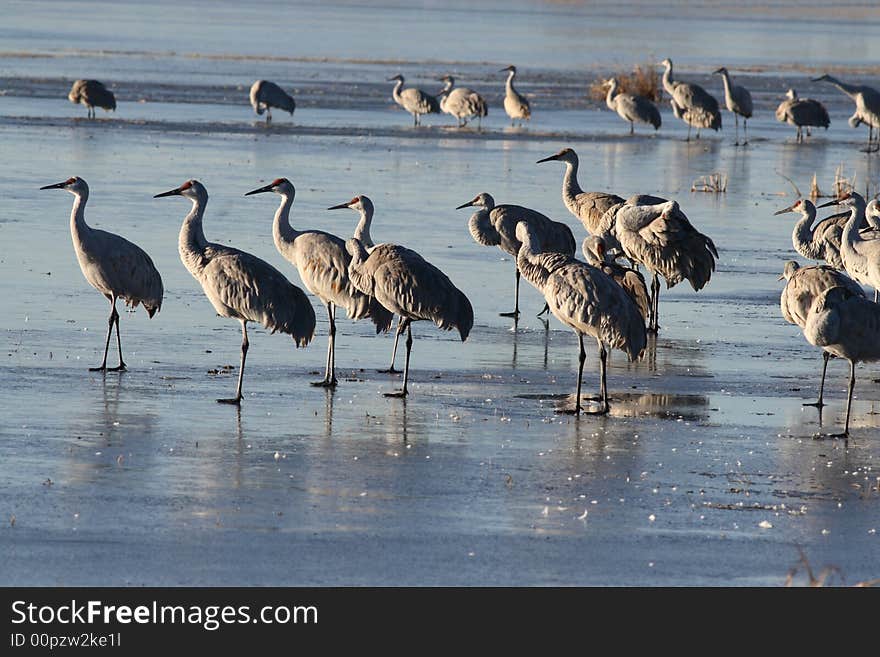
(691, 103)
(265, 95)
(322, 262)
(462, 103)
(590, 208)
(803, 286)
(495, 225)
(92, 94)
(802, 113)
(867, 100)
(117, 268)
(633, 283)
(586, 300)
(860, 252)
(240, 285)
(415, 101)
(515, 104)
(408, 285)
(631, 107)
(739, 103)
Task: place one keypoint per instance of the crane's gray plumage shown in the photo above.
(738, 101)
(322, 263)
(589, 207)
(117, 268)
(515, 104)
(586, 300)
(409, 286)
(803, 286)
(495, 225)
(819, 243)
(802, 113)
(633, 283)
(631, 107)
(691, 103)
(848, 326)
(860, 253)
(265, 95)
(240, 285)
(92, 94)
(867, 100)
(462, 103)
(415, 101)
(656, 233)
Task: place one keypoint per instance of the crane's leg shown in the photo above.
(114, 317)
(800, 136)
(876, 294)
(244, 349)
(392, 370)
(330, 369)
(852, 385)
(819, 404)
(515, 312)
(736, 129)
(268, 115)
(745, 131)
(407, 323)
(653, 325)
(121, 365)
(546, 310)
(603, 374)
(632, 129)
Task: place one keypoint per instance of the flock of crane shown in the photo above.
(689, 101)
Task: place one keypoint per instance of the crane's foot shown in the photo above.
(833, 436)
(545, 311)
(818, 404)
(326, 383)
(103, 368)
(583, 411)
(401, 394)
(514, 313)
(235, 401)
(390, 370)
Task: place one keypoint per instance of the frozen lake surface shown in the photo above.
(706, 471)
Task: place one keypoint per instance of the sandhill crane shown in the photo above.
(867, 100)
(322, 263)
(848, 326)
(415, 101)
(691, 103)
(587, 301)
(631, 107)
(462, 103)
(265, 95)
(111, 264)
(819, 243)
(515, 104)
(861, 256)
(589, 207)
(92, 94)
(364, 206)
(409, 286)
(802, 113)
(656, 233)
(596, 254)
(738, 101)
(240, 285)
(803, 286)
(495, 225)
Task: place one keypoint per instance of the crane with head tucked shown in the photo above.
(415, 101)
(803, 286)
(631, 107)
(802, 113)
(867, 100)
(462, 103)
(411, 287)
(515, 104)
(265, 95)
(587, 301)
(633, 283)
(322, 263)
(117, 268)
(495, 225)
(738, 101)
(691, 103)
(860, 252)
(240, 285)
(92, 94)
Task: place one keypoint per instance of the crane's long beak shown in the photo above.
(173, 192)
(790, 208)
(717, 71)
(831, 202)
(469, 204)
(267, 188)
(548, 159)
(340, 206)
(55, 186)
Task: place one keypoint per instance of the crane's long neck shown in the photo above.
(571, 189)
(79, 229)
(529, 264)
(362, 230)
(852, 258)
(509, 85)
(396, 92)
(282, 232)
(725, 78)
(356, 271)
(850, 90)
(668, 82)
(609, 97)
(191, 243)
(802, 237)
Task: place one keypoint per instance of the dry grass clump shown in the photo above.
(714, 183)
(840, 187)
(642, 81)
